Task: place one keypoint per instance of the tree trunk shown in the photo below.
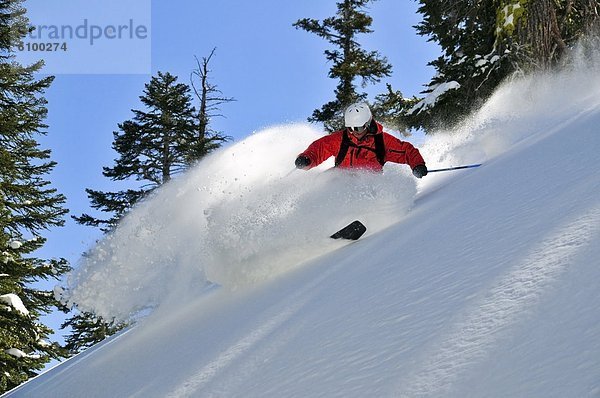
(541, 33)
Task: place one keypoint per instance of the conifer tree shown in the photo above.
(87, 330)
(390, 109)
(153, 147)
(544, 29)
(28, 207)
(161, 141)
(468, 69)
(349, 60)
(485, 42)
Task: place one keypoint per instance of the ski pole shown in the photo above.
(470, 166)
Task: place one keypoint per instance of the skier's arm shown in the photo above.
(398, 151)
(319, 151)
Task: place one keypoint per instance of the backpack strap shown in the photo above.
(380, 148)
(343, 148)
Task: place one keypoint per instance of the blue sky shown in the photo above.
(276, 73)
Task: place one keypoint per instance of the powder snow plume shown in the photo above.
(242, 215)
(517, 112)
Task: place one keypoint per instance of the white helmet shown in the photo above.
(357, 115)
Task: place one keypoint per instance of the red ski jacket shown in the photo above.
(371, 152)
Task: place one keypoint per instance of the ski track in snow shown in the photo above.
(211, 370)
(509, 298)
(231, 357)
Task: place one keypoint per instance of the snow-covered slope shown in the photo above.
(472, 283)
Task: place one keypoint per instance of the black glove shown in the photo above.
(302, 162)
(420, 171)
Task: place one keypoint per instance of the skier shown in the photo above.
(362, 145)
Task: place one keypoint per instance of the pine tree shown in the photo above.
(28, 206)
(349, 60)
(152, 148)
(390, 109)
(87, 330)
(469, 69)
(544, 29)
(160, 142)
(484, 42)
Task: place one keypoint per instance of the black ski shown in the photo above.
(352, 231)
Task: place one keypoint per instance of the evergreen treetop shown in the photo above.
(349, 60)
(153, 147)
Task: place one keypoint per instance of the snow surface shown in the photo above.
(432, 98)
(14, 301)
(474, 283)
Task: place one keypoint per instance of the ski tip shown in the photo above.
(352, 231)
